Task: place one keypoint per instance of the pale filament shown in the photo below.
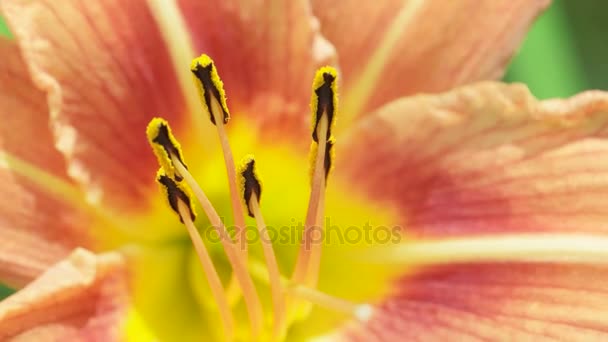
(274, 275)
(212, 277)
(235, 202)
(237, 208)
(250, 295)
(314, 263)
(312, 215)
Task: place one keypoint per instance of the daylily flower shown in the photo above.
(498, 199)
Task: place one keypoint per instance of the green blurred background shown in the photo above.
(565, 52)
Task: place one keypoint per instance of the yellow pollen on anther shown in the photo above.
(250, 183)
(174, 191)
(164, 145)
(209, 86)
(324, 100)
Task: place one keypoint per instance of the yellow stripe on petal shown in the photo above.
(46, 181)
(563, 248)
(367, 80)
(178, 40)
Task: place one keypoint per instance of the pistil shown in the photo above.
(358, 311)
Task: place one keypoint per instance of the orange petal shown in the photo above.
(106, 72)
(487, 158)
(266, 53)
(82, 298)
(404, 47)
(494, 302)
(37, 227)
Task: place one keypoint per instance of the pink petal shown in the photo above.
(266, 53)
(37, 227)
(82, 298)
(420, 46)
(486, 158)
(494, 302)
(106, 72)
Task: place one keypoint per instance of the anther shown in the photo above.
(178, 197)
(175, 193)
(164, 146)
(324, 100)
(211, 88)
(251, 191)
(213, 99)
(250, 183)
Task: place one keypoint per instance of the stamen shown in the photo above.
(236, 259)
(324, 107)
(251, 191)
(213, 98)
(179, 199)
(164, 145)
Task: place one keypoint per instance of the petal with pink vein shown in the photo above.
(37, 226)
(407, 46)
(484, 159)
(106, 72)
(495, 302)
